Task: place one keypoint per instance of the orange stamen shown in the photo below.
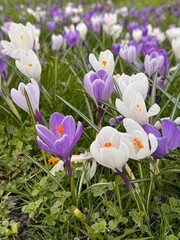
(138, 143)
(22, 37)
(60, 129)
(138, 107)
(108, 144)
(52, 159)
(104, 63)
(30, 64)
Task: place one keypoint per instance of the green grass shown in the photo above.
(36, 205)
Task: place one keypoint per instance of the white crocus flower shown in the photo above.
(176, 47)
(105, 62)
(173, 33)
(82, 29)
(137, 35)
(109, 149)
(137, 82)
(133, 106)
(57, 42)
(29, 65)
(21, 39)
(89, 165)
(33, 92)
(139, 143)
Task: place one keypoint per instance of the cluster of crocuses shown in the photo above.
(112, 148)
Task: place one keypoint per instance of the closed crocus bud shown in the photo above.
(82, 29)
(32, 90)
(173, 33)
(136, 82)
(176, 47)
(51, 26)
(137, 35)
(57, 42)
(71, 35)
(116, 48)
(99, 85)
(128, 53)
(105, 62)
(153, 63)
(29, 65)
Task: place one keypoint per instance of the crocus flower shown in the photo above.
(99, 85)
(33, 93)
(133, 106)
(109, 150)
(173, 33)
(57, 42)
(136, 82)
(153, 63)
(116, 48)
(51, 25)
(176, 47)
(96, 22)
(82, 29)
(88, 165)
(128, 53)
(105, 62)
(140, 143)
(137, 35)
(71, 35)
(21, 40)
(168, 139)
(60, 138)
(29, 64)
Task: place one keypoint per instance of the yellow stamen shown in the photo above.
(30, 64)
(104, 63)
(138, 143)
(108, 144)
(22, 37)
(60, 129)
(52, 159)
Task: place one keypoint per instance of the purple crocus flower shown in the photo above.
(116, 48)
(60, 138)
(71, 35)
(168, 139)
(100, 86)
(128, 53)
(51, 25)
(153, 63)
(3, 64)
(132, 26)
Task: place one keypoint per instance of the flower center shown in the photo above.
(137, 143)
(104, 63)
(30, 65)
(60, 129)
(52, 159)
(108, 144)
(22, 37)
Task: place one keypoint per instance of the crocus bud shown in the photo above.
(128, 53)
(57, 42)
(82, 29)
(137, 35)
(176, 47)
(153, 63)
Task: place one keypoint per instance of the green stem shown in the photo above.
(73, 193)
(34, 122)
(118, 194)
(55, 79)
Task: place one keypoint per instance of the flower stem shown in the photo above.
(73, 193)
(100, 115)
